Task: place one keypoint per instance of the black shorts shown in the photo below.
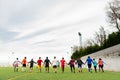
(31, 66)
(46, 66)
(24, 65)
(54, 66)
(89, 65)
(100, 66)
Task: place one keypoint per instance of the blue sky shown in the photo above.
(47, 27)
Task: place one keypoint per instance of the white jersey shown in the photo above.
(54, 62)
(16, 62)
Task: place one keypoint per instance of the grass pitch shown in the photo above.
(6, 73)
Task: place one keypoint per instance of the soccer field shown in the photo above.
(6, 73)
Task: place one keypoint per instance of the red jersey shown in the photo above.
(62, 62)
(39, 62)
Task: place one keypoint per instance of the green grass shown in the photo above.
(6, 73)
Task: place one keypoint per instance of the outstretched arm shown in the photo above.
(50, 63)
(103, 62)
(13, 63)
(85, 62)
(20, 62)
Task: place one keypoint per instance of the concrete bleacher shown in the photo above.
(111, 57)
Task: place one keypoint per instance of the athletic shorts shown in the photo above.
(72, 66)
(39, 66)
(15, 65)
(79, 66)
(24, 65)
(89, 65)
(54, 66)
(31, 66)
(46, 66)
(101, 66)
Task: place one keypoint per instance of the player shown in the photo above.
(79, 62)
(72, 65)
(62, 62)
(89, 63)
(54, 63)
(31, 64)
(46, 63)
(15, 65)
(24, 61)
(39, 63)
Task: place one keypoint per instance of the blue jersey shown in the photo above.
(89, 61)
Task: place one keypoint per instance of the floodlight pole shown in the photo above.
(80, 37)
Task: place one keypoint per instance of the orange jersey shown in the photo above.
(24, 61)
(100, 62)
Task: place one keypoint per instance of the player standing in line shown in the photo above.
(72, 65)
(62, 62)
(95, 65)
(39, 64)
(15, 65)
(46, 63)
(54, 63)
(79, 62)
(31, 64)
(24, 61)
(100, 64)
(89, 63)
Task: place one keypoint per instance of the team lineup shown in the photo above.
(59, 63)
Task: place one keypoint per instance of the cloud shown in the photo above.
(6, 35)
(53, 15)
(19, 11)
(44, 42)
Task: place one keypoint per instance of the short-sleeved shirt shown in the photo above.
(47, 61)
(100, 62)
(16, 62)
(39, 62)
(54, 62)
(62, 62)
(72, 61)
(31, 63)
(24, 61)
(89, 61)
(94, 63)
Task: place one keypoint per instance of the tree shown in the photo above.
(91, 42)
(99, 39)
(100, 36)
(113, 13)
(113, 39)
